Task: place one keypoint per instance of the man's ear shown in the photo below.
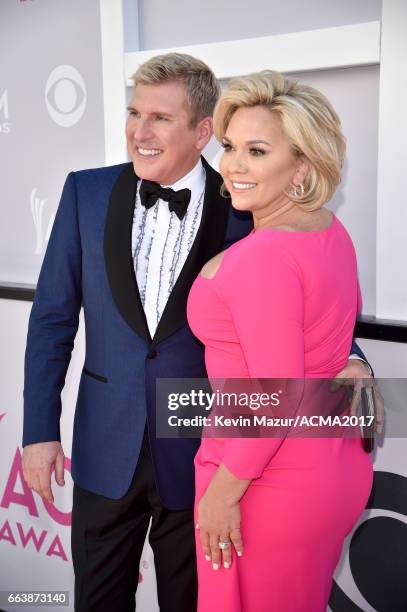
(204, 131)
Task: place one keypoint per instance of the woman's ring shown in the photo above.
(223, 544)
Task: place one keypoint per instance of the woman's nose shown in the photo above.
(236, 162)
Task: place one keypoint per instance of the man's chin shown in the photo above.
(147, 170)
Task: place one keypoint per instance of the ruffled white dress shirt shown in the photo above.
(161, 243)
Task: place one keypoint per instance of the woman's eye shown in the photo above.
(257, 152)
(226, 146)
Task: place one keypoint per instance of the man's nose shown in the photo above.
(142, 130)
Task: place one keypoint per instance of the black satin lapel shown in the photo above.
(117, 251)
(208, 242)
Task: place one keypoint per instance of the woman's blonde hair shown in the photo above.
(309, 122)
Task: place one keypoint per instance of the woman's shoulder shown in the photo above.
(261, 251)
(304, 223)
(270, 246)
(295, 243)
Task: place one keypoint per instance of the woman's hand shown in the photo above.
(219, 518)
(219, 522)
(357, 374)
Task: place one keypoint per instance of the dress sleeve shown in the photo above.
(265, 297)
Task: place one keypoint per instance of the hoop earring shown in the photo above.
(294, 190)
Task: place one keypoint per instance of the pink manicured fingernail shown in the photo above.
(226, 565)
(240, 554)
(207, 557)
(215, 566)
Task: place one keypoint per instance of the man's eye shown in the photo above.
(133, 113)
(160, 118)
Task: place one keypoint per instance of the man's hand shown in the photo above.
(357, 375)
(38, 460)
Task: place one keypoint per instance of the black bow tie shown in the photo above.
(178, 201)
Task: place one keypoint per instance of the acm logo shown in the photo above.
(37, 211)
(40, 535)
(5, 125)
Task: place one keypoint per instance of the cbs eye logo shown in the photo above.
(376, 562)
(65, 95)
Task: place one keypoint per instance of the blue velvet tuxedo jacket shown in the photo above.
(88, 264)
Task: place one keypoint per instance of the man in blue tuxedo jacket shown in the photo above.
(126, 245)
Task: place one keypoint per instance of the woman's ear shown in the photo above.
(301, 173)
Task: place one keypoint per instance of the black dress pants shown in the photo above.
(107, 541)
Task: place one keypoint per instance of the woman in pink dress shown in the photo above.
(272, 514)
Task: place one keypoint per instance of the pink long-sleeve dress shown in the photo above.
(281, 304)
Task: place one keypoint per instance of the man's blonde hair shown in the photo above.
(309, 122)
(201, 86)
